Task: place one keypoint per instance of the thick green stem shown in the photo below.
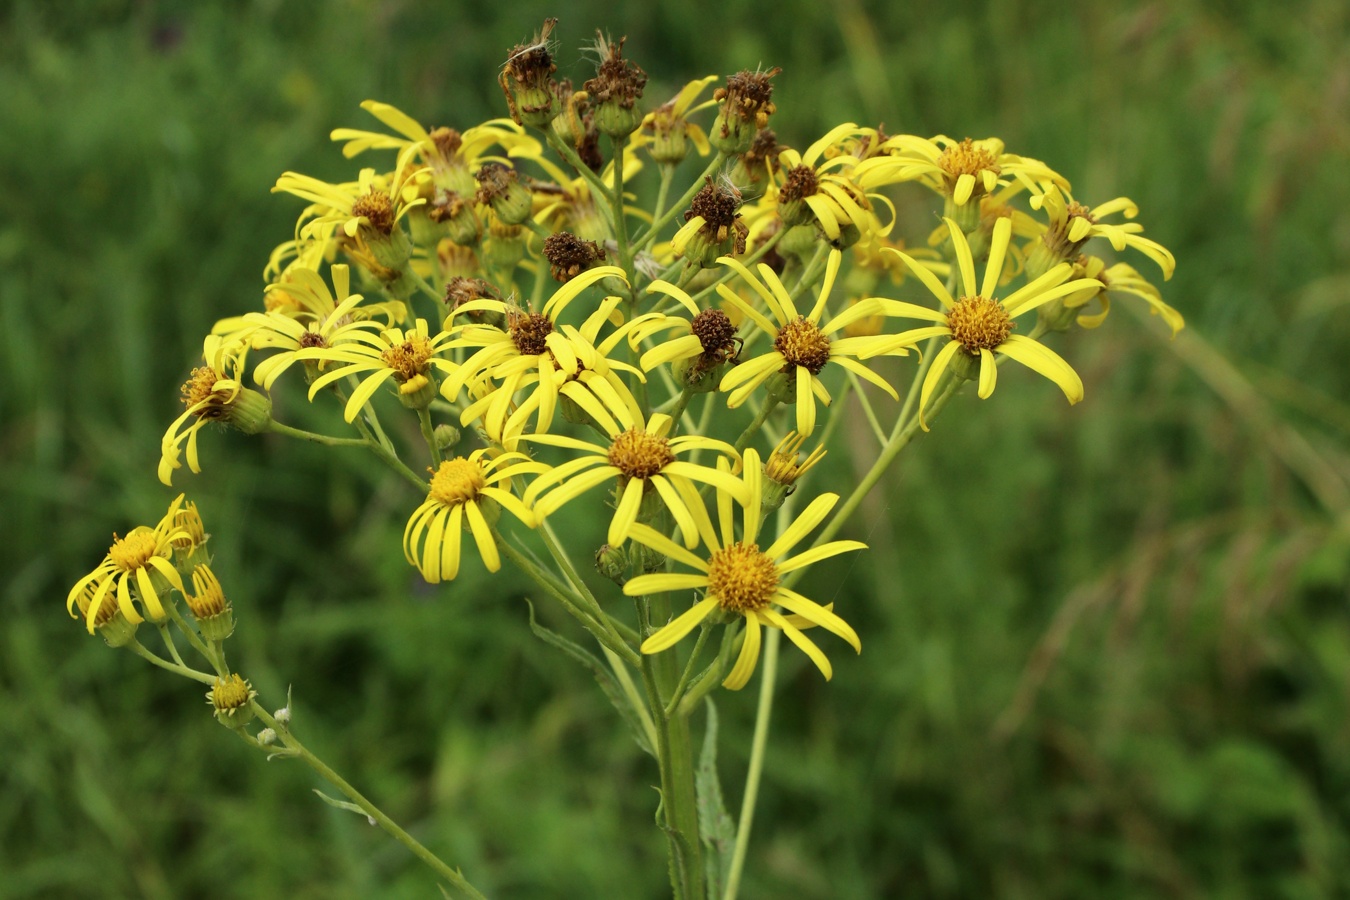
(569, 154)
(300, 751)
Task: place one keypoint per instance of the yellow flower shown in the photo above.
(371, 206)
(409, 357)
(568, 204)
(143, 559)
(802, 347)
(641, 458)
(708, 338)
(835, 190)
(465, 491)
(319, 321)
(535, 349)
(670, 126)
(962, 170)
(214, 393)
(1072, 225)
(979, 324)
(738, 578)
(453, 156)
(1120, 278)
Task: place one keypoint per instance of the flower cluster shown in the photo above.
(554, 338)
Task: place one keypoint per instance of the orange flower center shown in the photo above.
(457, 481)
(408, 359)
(640, 454)
(133, 551)
(742, 578)
(802, 343)
(979, 323)
(967, 159)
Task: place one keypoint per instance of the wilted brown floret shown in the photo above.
(749, 96)
(617, 79)
(568, 255)
(494, 181)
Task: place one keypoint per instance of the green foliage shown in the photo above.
(1105, 648)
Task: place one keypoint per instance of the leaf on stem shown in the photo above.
(602, 675)
(714, 822)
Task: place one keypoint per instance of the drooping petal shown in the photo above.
(671, 634)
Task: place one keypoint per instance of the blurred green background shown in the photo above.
(1107, 648)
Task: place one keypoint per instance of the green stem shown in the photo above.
(711, 676)
(663, 192)
(190, 633)
(753, 428)
(573, 577)
(650, 234)
(768, 675)
(673, 706)
(620, 222)
(455, 879)
(570, 155)
(674, 755)
(606, 636)
(888, 454)
(138, 648)
(681, 404)
(429, 435)
(327, 440)
(168, 642)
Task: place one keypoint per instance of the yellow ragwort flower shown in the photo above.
(535, 349)
(319, 321)
(738, 578)
(1120, 278)
(408, 357)
(214, 393)
(465, 492)
(1072, 225)
(670, 127)
(836, 191)
(453, 156)
(143, 559)
(640, 458)
(962, 170)
(979, 324)
(802, 346)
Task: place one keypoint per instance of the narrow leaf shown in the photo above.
(602, 675)
(714, 823)
(343, 804)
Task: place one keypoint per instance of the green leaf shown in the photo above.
(714, 823)
(602, 675)
(343, 804)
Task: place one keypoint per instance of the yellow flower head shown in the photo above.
(536, 350)
(465, 492)
(962, 170)
(802, 346)
(835, 190)
(1071, 225)
(138, 569)
(740, 578)
(410, 358)
(214, 393)
(979, 324)
(317, 321)
(640, 459)
(453, 156)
